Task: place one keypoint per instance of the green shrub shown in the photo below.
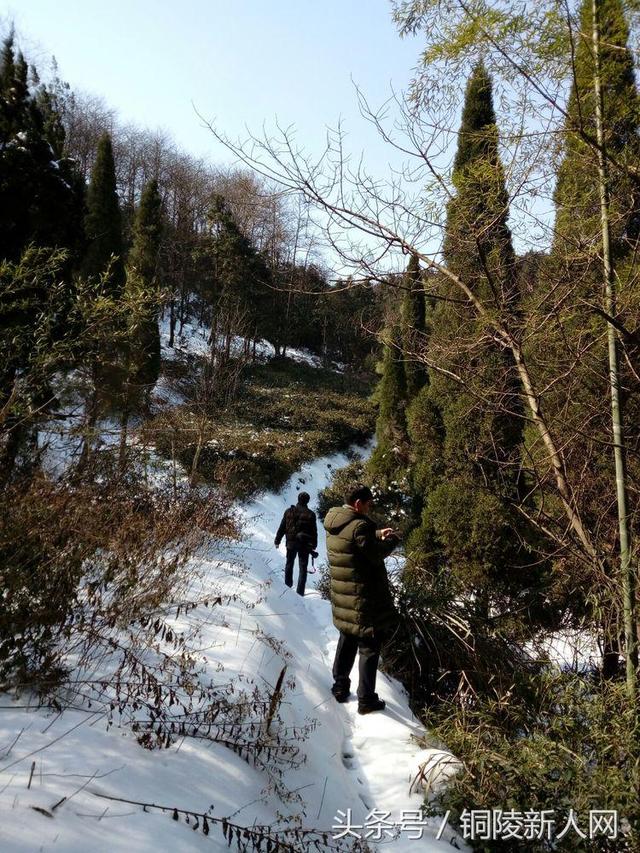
(323, 581)
(333, 494)
(392, 507)
(558, 741)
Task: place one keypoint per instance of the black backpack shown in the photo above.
(299, 525)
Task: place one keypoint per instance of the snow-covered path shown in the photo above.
(377, 751)
(353, 764)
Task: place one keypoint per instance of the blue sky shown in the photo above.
(242, 62)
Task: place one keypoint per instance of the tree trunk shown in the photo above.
(182, 305)
(196, 458)
(174, 466)
(172, 321)
(90, 421)
(610, 653)
(15, 431)
(124, 422)
(213, 337)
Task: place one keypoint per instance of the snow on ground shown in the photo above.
(60, 439)
(165, 394)
(60, 444)
(194, 340)
(353, 764)
(569, 649)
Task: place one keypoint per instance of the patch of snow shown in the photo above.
(569, 649)
(193, 340)
(58, 447)
(165, 394)
(305, 356)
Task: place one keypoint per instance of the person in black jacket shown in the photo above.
(361, 600)
(300, 530)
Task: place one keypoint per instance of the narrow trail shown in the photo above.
(378, 753)
(352, 764)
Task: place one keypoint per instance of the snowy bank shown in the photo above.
(194, 340)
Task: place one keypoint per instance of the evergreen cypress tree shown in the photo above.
(103, 222)
(49, 105)
(7, 64)
(477, 245)
(41, 202)
(103, 226)
(576, 195)
(414, 327)
(41, 206)
(41, 193)
(570, 353)
(424, 424)
(389, 459)
(573, 340)
(143, 259)
(242, 281)
(469, 433)
(147, 233)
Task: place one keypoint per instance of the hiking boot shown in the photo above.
(369, 705)
(340, 695)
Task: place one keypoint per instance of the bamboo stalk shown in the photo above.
(626, 570)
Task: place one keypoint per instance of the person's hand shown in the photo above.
(387, 532)
(276, 543)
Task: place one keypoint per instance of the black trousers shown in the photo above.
(369, 655)
(303, 562)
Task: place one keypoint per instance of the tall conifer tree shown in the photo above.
(575, 339)
(41, 192)
(143, 260)
(242, 279)
(103, 222)
(477, 245)
(147, 233)
(103, 226)
(576, 196)
(390, 457)
(414, 327)
(41, 206)
(470, 430)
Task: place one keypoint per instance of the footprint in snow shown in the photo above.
(365, 803)
(347, 760)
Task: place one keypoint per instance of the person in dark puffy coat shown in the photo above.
(299, 527)
(361, 601)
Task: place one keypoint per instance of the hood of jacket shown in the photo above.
(338, 517)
